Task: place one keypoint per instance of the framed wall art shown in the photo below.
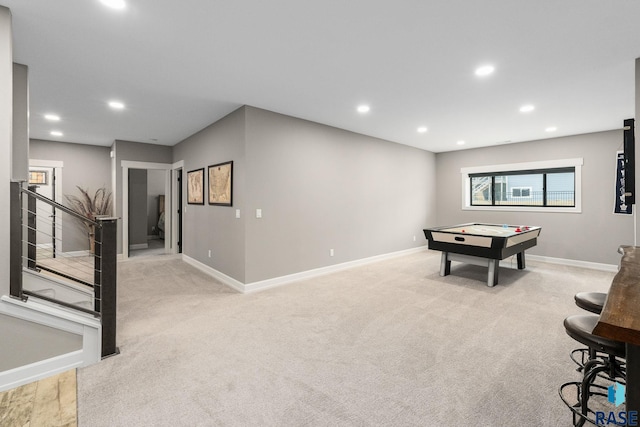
(195, 187)
(221, 184)
(38, 177)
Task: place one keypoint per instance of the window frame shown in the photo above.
(575, 163)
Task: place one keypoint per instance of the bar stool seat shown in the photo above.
(591, 301)
(580, 328)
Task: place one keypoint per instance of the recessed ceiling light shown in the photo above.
(56, 133)
(485, 70)
(460, 142)
(114, 4)
(422, 129)
(527, 108)
(363, 109)
(551, 129)
(116, 105)
(52, 117)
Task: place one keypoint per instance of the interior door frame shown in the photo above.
(175, 227)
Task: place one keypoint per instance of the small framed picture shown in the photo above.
(195, 187)
(221, 184)
(38, 177)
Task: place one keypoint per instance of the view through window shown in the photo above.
(541, 187)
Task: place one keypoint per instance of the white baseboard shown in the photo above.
(574, 263)
(290, 278)
(218, 275)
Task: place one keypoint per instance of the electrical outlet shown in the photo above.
(258, 213)
(209, 253)
(237, 213)
(414, 238)
(330, 252)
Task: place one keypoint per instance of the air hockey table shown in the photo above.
(481, 244)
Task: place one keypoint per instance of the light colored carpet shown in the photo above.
(389, 344)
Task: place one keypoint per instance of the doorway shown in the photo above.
(45, 178)
(146, 212)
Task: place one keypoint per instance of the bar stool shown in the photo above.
(591, 301)
(580, 328)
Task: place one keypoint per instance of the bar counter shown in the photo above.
(620, 319)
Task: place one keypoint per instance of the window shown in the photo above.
(546, 186)
(521, 192)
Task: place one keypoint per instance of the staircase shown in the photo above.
(479, 185)
(61, 308)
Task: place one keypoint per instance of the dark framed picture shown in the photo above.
(195, 187)
(221, 184)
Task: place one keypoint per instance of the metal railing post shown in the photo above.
(97, 269)
(15, 238)
(105, 285)
(31, 229)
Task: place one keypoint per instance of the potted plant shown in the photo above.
(90, 207)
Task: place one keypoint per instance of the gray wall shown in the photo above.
(323, 188)
(319, 188)
(593, 235)
(137, 206)
(134, 151)
(216, 228)
(20, 155)
(87, 166)
(32, 342)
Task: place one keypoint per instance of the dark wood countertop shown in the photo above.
(620, 317)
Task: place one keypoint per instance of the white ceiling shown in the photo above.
(181, 65)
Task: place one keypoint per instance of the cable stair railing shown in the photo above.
(83, 281)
